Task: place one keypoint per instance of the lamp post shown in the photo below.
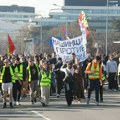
(106, 43)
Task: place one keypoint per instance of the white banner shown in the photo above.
(64, 49)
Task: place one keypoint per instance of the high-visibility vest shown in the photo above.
(29, 72)
(96, 74)
(21, 72)
(103, 77)
(16, 72)
(46, 80)
(3, 71)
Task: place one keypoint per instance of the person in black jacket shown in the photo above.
(59, 75)
(7, 85)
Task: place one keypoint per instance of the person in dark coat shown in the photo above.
(78, 82)
(59, 75)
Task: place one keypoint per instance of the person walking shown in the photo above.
(94, 71)
(32, 78)
(58, 74)
(45, 83)
(23, 67)
(7, 85)
(17, 85)
(111, 70)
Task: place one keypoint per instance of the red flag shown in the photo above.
(11, 46)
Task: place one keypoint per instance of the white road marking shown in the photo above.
(41, 115)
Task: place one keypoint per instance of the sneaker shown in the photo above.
(14, 103)
(88, 100)
(11, 106)
(35, 100)
(58, 95)
(85, 91)
(97, 103)
(114, 90)
(43, 104)
(4, 105)
(17, 103)
(110, 90)
(32, 102)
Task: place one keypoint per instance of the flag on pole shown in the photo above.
(11, 46)
(82, 21)
(65, 32)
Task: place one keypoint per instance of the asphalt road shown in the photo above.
(58, 109)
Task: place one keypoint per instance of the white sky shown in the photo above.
(40, 5)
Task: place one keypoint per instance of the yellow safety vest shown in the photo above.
(2, 74)
(16, 72)
(96, 74)
(29, 72)
(21, 72)
(46, 80)
(103, 77)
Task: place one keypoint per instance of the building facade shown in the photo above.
(98, 12)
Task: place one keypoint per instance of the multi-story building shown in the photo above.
(14, 17)
(98, 12)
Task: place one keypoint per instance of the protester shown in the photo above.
(111, 70)
(32, 78)
(7, 85)
(94, 71)
(45, 83)
(59, 76)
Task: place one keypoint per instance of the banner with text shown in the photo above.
(65, 48)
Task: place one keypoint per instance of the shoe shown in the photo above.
(14, 103)
(43, 104)
(11, 106)
(32, 102)
(35, 100)
(58, 96)
(17, 103)
(88, 100)
(114, 90)
(4, 105)
(110, 90)
(85, 91)
(97, 103)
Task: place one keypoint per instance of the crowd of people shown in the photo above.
(45, 74)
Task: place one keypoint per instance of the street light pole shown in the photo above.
(106, 44)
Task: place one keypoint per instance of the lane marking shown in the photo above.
(41, 115)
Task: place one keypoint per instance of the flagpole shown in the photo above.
(106, 41)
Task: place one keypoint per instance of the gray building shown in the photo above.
(16, 8)
(98, 12)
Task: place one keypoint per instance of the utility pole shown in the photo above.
(106, 43)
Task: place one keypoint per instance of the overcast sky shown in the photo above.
(40, 5)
